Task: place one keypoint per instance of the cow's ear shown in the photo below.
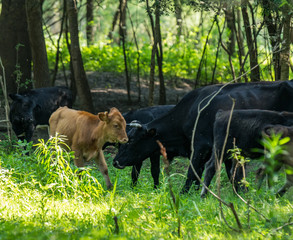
(15, 96)
(113, 109)
(152, 132)
(103, 116)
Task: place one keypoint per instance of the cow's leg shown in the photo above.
(78, 157)
(135, 173)
(29, 132)
(101, 162)
(210, 170)
(155, 168)
(199, 159)
(229, 166)
(288, 184)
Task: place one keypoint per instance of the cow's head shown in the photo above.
(141, 144)
(114, 127)
(286, 131)
(21, 113)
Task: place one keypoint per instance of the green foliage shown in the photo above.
(58, 176)
(274, 150)
(241, 161)
(40, 200)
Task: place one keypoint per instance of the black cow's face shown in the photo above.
(21, 113)
(141, 145)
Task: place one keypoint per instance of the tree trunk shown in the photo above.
(82, 85)
(239, 34)
(122, 31)
(89, 22)
(115, 19)
(274, 31)
(250, 43)
(159, 53)
(153, 64)
(122, 20)
(230, 19)
(285, 53)
(15, 49)
(38, 45)
(178, 15)
(198, 74)
(58, 47)
(137, 59)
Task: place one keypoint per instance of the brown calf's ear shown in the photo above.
(103, 116)
(113, 109)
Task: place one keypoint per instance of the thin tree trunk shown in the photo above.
(230, 19)
(138, 58)
(122, 31)
(89, 22)
(198, 74)
(239, 33)
(114, 22)
(178, 15)
(58, 45)
(152, 66)
(274, 33)
(72, 78)
(82, 85)
(255, 76)
(239, 38)
(285, 53)
(218, 49)
(159, 54)
(122, 20)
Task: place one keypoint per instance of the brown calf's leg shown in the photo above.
(78, 160)
(100, 160)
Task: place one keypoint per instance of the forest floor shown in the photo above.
(109, 90)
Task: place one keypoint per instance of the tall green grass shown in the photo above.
(43, 196)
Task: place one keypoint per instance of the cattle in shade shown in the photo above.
(175, 129)
(145, 115)
(245, 132)
(34, 107)
(86, 134)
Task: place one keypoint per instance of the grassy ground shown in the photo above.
(40, 199)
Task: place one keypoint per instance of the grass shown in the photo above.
(38, 203)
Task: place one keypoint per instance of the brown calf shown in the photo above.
(87, 133)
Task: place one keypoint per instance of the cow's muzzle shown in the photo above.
(123, 140)
(117, 165)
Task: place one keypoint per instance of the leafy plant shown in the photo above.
(274, 149)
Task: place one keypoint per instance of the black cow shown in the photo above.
(246, 127)
(34, 107)
(174, 129)
(146, 115)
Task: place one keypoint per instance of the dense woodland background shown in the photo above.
(146, 46)
(167, 41)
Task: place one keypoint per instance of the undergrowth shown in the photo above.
(44, 196)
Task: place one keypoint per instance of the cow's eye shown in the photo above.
(116, 126)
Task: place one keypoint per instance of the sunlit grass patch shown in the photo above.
(37, 202)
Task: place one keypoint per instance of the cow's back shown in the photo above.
(77, 126)
(63, 121)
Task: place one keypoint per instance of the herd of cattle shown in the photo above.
(260, 108)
